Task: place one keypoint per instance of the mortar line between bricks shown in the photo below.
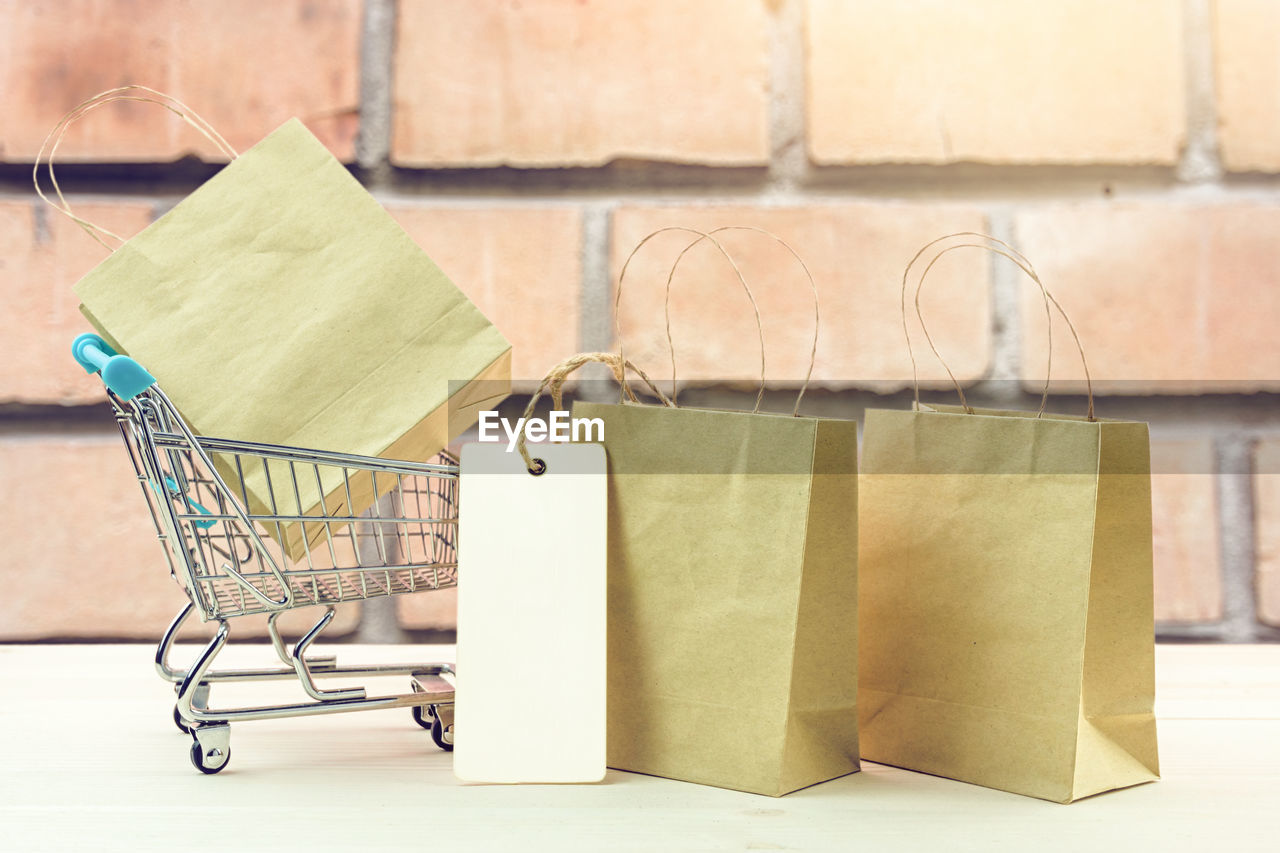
(946, 185)
(1188, 632)
(377, 48)
(1199, 162)
(1006, 331)
(595, 333)
(788, 148)
(1234, 484)
(938, 189)
(40, 231)
(380, 621)
(595, 330)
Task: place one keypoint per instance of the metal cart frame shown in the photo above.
(224, 547)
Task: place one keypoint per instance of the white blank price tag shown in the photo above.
(530, 702)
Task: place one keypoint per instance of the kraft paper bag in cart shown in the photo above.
(1006, 630)
(732, 554)
(280, 303)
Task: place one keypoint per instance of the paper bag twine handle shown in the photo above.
(1005, 250)
(142, 94)
(617, 302)
(813, 286)
(701, 236)
(553, 383)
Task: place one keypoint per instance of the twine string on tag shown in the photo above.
(813, 286)
(1005, 250)
(553, 384)
(617, 301)
(53, 140)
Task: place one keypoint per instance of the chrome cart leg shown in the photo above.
(167, 672)
(282, 652)
(211, 740)
(195, 677)
(277, 642)
(300, 664)
(200, 697)
(199, 701)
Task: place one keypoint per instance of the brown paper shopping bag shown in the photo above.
(280, 303)
(1006, 634)
(732, 581)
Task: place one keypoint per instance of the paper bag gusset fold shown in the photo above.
(1006, 625)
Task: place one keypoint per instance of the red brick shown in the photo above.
(1245, 35)
(244, 65)
(520, 265)
(429, 611)
(1188, 569)
(1266, 485)
(82, 554)
(564, 82)
(1168, 298)
(995, 81)
(856, 253)
(42, 254)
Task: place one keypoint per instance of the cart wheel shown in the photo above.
(179, 722)
(209, 764)
(422, 716)
(442, 737)
(211, 747)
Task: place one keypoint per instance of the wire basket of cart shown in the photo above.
(236, 553)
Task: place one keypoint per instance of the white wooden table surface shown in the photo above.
(89, 760)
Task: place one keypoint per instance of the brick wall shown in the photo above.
(1130, 147)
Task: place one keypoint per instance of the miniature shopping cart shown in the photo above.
(230, 562)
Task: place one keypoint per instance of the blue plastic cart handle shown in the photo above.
(124, 376)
